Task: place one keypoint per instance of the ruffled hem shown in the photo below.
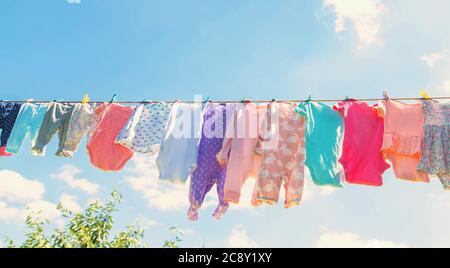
(402, 145)
(259, 201)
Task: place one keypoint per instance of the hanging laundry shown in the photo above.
(103, 152)
(209, 172)
(435, 157)
(29, 121)
(56, 120)
(179, 148)
(361, 157)
(238, 149)
(8, 116)
(324, 135)
(403, 134)
(145, 129)
(84, 120)
(282, 162)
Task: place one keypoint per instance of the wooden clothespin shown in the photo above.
(85, 99)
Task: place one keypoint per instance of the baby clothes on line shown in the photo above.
(324, 134)
(403, 134)
(435, 157)
(179, 148)
(283, 158)
(56, 120)
(238, 149)
(361, 157)
(146, 127)
(29, 121)
(83, 120)
(209, 171)
(8, 116)
(104, 153)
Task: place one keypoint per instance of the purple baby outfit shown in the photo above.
(208, 171)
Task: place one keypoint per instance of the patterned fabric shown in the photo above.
(324, 133)
(281, 163)
(145, 129)
(208, 171)
(8, 115)
(29, 122)
(435, 158)
(82, 121)
(56, 120)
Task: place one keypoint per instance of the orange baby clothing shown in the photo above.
(282, 156)
(238, 148)
(361, 157)
(402, 141)
(104, 153)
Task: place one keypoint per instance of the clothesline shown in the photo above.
(230, 101)
(351, 141)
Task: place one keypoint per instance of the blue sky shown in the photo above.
(174, 49)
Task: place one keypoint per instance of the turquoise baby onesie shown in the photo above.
(324, 134)
(28, 122)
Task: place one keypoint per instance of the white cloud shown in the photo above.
(45, 210)
(239, 238)
(70, 202)
(330, 239)
(312, 191)
(68, 174)
(363, 14)
(165, 196)
(245, 201)
(187, 231)
(146, 222)
(16, 188)
(74, 1)
(7, 213)
(439, 66)
(435, 58)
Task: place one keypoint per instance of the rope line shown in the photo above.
(229, 101)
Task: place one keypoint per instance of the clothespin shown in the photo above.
(207, 100)
(385, 96)
(347, 98)
(424, 95)
(309, 98)
(146, 100)
(245, 100)
(85, 99)
(114, 98)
